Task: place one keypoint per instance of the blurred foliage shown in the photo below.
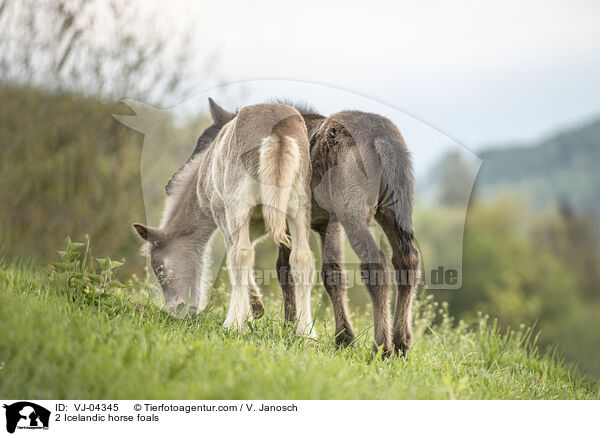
(530, 267)
(68, 167)
(531, 249)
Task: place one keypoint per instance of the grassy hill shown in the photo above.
(66, 337)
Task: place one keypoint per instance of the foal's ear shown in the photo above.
(148, 233)
(219, 115)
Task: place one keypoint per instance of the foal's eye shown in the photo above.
(160, 269)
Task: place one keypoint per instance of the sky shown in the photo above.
(482, 73)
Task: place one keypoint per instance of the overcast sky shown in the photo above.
(481, 72)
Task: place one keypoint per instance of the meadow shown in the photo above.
(73, 331)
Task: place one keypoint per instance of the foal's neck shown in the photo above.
(183, 213)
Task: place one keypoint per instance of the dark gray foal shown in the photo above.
(361, 169)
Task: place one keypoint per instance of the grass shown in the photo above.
(62, 337)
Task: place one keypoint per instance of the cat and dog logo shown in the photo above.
(26, 415)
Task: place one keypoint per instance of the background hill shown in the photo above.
(561, 169)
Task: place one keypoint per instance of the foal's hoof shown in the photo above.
(384, 350)
(401, 350)
(401, 345)
(257, 306)
(344, 339)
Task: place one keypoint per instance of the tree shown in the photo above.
(107, 49)
(453, 178)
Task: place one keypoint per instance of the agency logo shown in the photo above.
(26, 415)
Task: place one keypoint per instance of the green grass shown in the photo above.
(65, 342)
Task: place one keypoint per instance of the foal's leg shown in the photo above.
(406, 261)
(334, 280)
(373, 272)
(240, 261)
(301, 261)
(288, 287)
(256, 304)
(206, 283)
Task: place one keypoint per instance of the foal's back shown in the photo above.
(356, 158)
(246, 134)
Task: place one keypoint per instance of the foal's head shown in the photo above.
(175, 254)
(175, 261)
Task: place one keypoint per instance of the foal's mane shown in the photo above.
(176, 187)
(301, 106)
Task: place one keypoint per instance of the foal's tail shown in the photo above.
(278, 170)
(398, 190)
(397, 181)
